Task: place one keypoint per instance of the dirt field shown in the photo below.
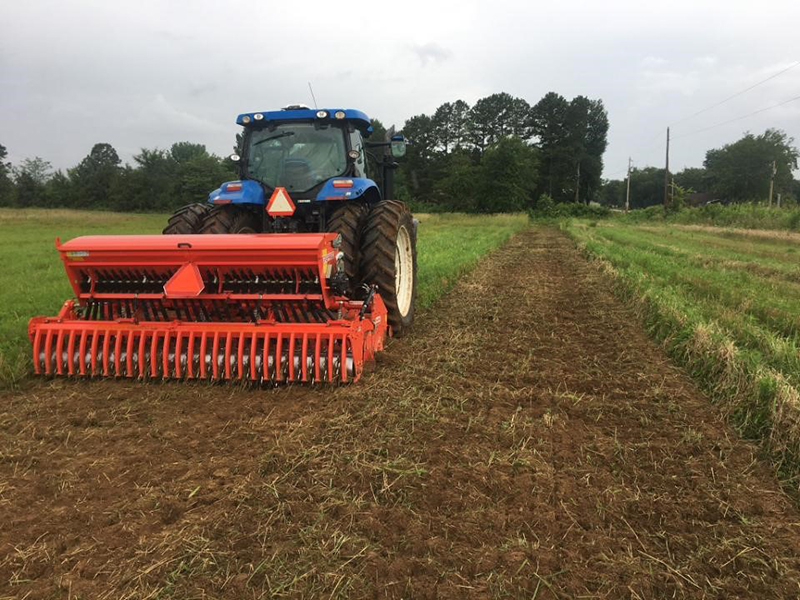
(527, 442)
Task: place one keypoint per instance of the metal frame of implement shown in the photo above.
(257, 307)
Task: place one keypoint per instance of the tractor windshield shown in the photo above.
(297, 156)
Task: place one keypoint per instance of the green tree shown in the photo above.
(647, 187)
(693, 178)
(508, 176)
(549, 125)
(30, 179)
(450, 126)
(741, 171)
(572, 136)
(457, 188)
(420, 164)
(6, 184)
(497, 116)
(94, 176)
(612, 193)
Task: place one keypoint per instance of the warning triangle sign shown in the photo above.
(280, 204)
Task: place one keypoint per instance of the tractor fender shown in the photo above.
(245, 191)
(361, 188)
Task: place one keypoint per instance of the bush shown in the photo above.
(745, 215)
(547, 208)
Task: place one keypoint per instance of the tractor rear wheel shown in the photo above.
(348, 221)
(231, 219)
(389, 260)
(187, 220)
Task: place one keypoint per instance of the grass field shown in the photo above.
(726, 305)
(32, 279)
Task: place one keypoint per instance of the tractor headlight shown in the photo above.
(339, 114)
(321, 114)
(258, 116)
(246, 119)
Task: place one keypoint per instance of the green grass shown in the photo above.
(32, 279)
(726, 305)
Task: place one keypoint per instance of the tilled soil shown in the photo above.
(528, 441)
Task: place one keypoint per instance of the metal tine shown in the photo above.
(165, 355)
(304, 357)
(265, 358)
(253, 351)
(82, 353)
(240, 356)
(330, 357)
(291, 356)
(343, 359)
(117, 353)
(106, 349)
(93, 353)
(142, 355)
(178, 348)
(278, 362)
(214, 356)
(71, 352)
(154, 355)
(203, 348)
(59, 350)
(129, 354)
(317, 354)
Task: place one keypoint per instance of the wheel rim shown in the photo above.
(403, 271)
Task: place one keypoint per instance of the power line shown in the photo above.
(755, 85)
(755, 112)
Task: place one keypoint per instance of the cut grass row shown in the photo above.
(32, 279)
(726, 308)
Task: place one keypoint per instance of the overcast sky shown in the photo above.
(147, 74)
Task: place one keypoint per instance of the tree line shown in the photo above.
(737, 172)
(500, 154)
(159, 180)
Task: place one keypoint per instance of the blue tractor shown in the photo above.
(306, 170)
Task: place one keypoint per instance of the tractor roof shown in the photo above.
(292, 113)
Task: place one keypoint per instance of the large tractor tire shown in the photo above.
(187, 220)
(389, 260)
(348, 221)
(231, 219)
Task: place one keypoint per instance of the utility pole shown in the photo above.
(666, 175)
(772, 182)
(779, 199)
(628, 193)
(578, 183)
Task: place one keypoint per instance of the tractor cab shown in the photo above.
(301, 149)
(313, 155)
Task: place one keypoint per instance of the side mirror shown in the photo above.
(398, 145)
(235, 158)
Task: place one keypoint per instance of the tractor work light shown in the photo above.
(246, 119)
(339, 114)
(321, 114)
(258, 116)
(342, 183)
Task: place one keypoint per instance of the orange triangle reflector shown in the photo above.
(280, 204)
(186, 283)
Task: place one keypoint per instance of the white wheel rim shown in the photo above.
(403, 271)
